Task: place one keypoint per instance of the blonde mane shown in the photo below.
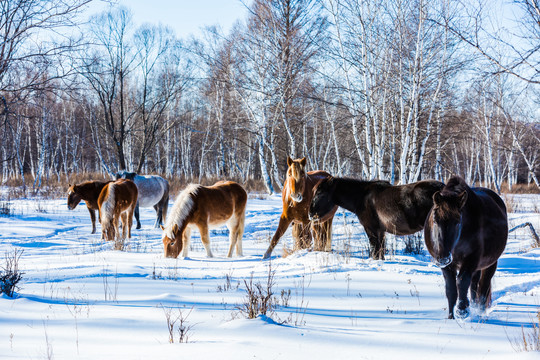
(181, 208)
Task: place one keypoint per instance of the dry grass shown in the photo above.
(529, 339)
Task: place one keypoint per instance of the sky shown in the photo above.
(186, 17)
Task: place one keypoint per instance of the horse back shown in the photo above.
(220, 202)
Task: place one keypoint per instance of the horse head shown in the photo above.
(125, 175)
(296, 178)
(74, 198)
(321, 203)
(172, 241)
(444, 225)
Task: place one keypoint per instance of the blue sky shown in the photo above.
(184, 16)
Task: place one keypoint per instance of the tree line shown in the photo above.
(400, 90)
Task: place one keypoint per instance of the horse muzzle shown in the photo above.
(444, 262)
(296, 198)
(314, 218)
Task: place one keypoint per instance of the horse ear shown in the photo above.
(175, 229)
(462, 199)
(289, 160)
(162, 227)
(437, 198)
(303, 162)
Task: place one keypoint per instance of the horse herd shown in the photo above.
(465, 229)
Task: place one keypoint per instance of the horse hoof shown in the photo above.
(138, 227)
(462, 313)
(266, 255)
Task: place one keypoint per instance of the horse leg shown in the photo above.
(484, 286)
(463, 283)
(232, 225)
(205, 238)
(303, 236)
(474, 286)
(282, 227)
(240, 234)
(157, 207)
(93, 218)
(450, 285)
(137, 215)
(327, 234)
(130, 219)
(318, 236)
(376, 252)
(124, 218)
(186, 238)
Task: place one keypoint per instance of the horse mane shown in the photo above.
(107, 208)
(183, 205)
(348, 180)
(455, 185)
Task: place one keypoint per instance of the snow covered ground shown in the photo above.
(82, 299)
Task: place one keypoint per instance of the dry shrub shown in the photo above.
(520, 189)
(259, 298)
(10, 274)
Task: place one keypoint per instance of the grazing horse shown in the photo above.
(117, 202)
(466, 231)
(89, 192)
(380, 206)
(296, 196)
(153, 191)
(204, 207)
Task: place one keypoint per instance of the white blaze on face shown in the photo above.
(436, 236)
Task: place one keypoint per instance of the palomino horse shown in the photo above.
(466, 231)
(204, 207)
(117, 201)
(296, 195)
(153, 191)
(380, 206)
(89, 192)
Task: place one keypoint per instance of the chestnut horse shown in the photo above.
(466, 231)
(296, 196)
(379, 206)
(204, 207)
(89, 192)
(117, 202)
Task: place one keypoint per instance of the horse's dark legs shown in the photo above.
(463, 283)
(301, 234)
(474, 286)
(484, 287)
(449, 274)
(93, 218)
(376, 244)
(137, 216)
(322, 233)
(282, 227)
(161, 211)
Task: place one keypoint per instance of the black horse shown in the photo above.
(466, 230)
(380, 206)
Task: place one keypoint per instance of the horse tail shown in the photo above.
(165, 202)
(182, 208)
(106, 212)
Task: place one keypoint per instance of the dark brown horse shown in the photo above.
(466, 231)
(380, 206)
(204, 207)
(117, 202)
(89, 192)
(296, 195)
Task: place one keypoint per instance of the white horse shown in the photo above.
(153, 191)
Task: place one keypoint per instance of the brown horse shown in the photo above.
(296, 195)
(116, 202)
(89, 192)
(204, 207)
(380, 206)
(466, 231)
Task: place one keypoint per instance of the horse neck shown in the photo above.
(349, 193)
